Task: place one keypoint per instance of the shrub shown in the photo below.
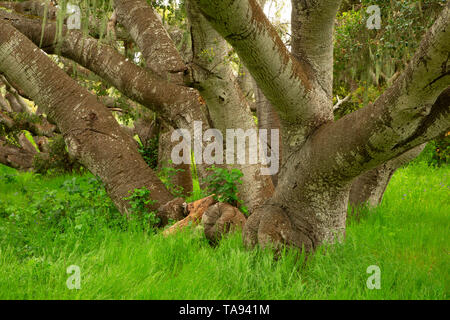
(149, 151)
(139, 201)
(58, 160)
(437, 152)
(223, 184)
(165, 175)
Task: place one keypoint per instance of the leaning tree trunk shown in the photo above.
(369, 187)
(91, 133)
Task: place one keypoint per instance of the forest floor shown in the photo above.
(48, 224)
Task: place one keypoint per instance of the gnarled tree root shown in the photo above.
(195, 211)
(220, 219)
(271, 226)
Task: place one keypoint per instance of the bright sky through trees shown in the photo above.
(278, 10)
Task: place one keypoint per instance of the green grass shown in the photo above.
(48, 224)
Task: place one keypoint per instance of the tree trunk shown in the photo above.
(369, 187)
(228, 107)
(183, 178)
(321, 157)
(268, 119)
(91, 133)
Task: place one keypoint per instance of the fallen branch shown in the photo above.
(196, 210)
(340, 102)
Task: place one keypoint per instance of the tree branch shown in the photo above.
(414, 110)
(176, 105)
(146, 29)
(287, 83)
(312, 37)
(91, 133)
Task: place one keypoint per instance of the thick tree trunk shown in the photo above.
(91, 133)
(183, 178)
(228, 107)
(321, 157)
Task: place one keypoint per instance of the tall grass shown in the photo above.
(406, 236)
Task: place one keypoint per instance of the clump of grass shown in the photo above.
(76, 224)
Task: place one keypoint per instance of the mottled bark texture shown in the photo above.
(267, 119)
(227, 105)
(147, 31)
(90, 131)
(312, 37)
(321, 159)
(177, 105)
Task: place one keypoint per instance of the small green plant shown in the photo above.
(149, 151)
(139, 201)
(223, 184)
(58, 160)
(9, 178)
(437, 152)
(166, 175)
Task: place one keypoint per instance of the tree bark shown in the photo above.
(227, 105)
(369, 187)
(268, 119)
(147, 31)
(320, 160)
(91, 133)
(312, 37)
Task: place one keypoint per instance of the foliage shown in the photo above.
(441, 153)
(223, 184)
(58, 160)
(374, 56)
(149, 151)
(437, 152)
(140, 201)
(120, 262)
(173, 12)
(63, 206)
(367, 61)
(166, 175)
